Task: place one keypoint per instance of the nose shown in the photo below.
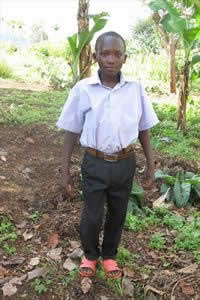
(111, 59)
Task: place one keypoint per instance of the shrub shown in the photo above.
(5, 70)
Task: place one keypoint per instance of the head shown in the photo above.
(110, 53)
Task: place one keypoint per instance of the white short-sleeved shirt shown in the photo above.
(108, 119)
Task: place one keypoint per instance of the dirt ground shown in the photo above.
(29, 182)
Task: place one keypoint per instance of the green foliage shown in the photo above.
(124, 257)
(189, 236)
(157, 241)
(145, 38)
(181, 186)
(140, 223)
(174, 222)
(30, 107)
(137, 194)
(46, 49)
(40, 285)
(165, 137)
(35, 216)
(5, 70)
(9, 249)
(69, 277)
(78, 41)
(7, 229)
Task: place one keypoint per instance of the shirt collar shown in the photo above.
(96, 79)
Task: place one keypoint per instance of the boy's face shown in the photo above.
(110, 55)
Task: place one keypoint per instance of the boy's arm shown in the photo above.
(66, 180)
(144, 139)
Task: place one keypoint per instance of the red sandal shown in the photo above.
(111, 269)
(87, 267)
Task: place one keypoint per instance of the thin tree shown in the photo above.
(85, 59)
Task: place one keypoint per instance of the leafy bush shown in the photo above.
(46, 49)
(184, 187)
(5, 70)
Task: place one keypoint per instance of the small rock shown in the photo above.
(55, 254)
(30, 140)
(27, 171)
(9, 289)
(75, 244)
(76, 254)
(69, 265)
(34, 261)
(37, 273)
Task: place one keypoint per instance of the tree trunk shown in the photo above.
(85, 59)
(172, 65)
(183, 96)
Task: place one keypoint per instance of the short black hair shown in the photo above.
(112, 34)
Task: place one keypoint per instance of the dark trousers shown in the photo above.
(104, 182)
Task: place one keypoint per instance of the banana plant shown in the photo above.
(188, 29)
(79, 40)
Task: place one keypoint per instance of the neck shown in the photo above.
(109, 81)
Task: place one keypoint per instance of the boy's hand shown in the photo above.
(67, 185)
(148, 177)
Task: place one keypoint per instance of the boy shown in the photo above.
(110, 112)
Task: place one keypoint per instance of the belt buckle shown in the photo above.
(111, 159)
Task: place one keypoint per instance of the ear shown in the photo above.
(125, 58)
(94, 56)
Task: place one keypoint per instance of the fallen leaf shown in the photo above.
(128, 273)
(30, 140)
(75, 244)
(3, 272)
(9, 289)
(21, 225)
(34, 261)
(188, 270)
(150, 296)
(86, 284)
(151, 288)
(53, 240)
(27, 235)
(128, 288)
(69, 265)
(17, 280)
(3, 153)
(15, 260)
(187, 289)
(37, 273)
(2, 177)
(160, 202)
(55, 253)
(3, 158)
(104, 298)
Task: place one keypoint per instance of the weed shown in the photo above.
(157, 241)
(40, 285)
(116, 285)
(35, 216)
(69, 277)
(188, 237)
(138, 223)
(174, 222)
(9, 249)
(7, 229)
(197, 256)
(124, 257)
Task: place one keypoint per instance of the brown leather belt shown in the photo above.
(124, 153)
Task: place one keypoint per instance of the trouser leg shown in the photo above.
(94, 177)
(117, 202)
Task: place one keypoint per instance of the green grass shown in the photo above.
(28, 107)
(8, 235)
(157, 241)
(178, 144)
